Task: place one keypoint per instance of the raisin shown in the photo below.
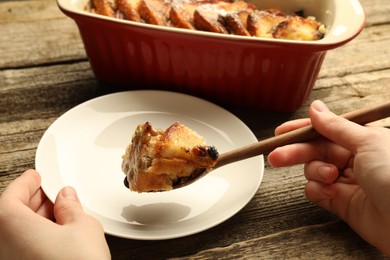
(126, 183)
(213, 153)
(300, 13)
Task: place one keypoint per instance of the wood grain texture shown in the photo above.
(44, 72)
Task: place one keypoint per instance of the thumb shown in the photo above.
(67, 206)
(336, 128)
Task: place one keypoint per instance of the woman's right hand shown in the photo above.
(348, 173)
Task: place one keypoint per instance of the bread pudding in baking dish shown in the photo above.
(156, 160)
(236, 17)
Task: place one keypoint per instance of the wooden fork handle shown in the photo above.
(304, 134)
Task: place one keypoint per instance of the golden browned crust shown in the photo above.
(129, 9)
(298, 28)
(155, 11)
(104, 7)
(236, 17)
(206, 18)
(263, 23)
(236, 23)
(156, 159)
(182, 14)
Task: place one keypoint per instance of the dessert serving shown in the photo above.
(155, 160)
(236, 17)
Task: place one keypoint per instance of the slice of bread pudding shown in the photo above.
(156, 160)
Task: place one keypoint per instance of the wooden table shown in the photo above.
(44, 72)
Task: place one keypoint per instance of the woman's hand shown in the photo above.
(31, 227)
(348, 173)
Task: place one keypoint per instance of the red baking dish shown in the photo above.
(267, 74)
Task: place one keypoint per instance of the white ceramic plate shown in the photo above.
(83, 149)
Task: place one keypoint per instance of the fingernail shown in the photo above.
(69, 193)
(324, 172)
(319, 106)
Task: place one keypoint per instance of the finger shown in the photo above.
(292, 125)
(347, 176)
(319, 193)
(46, 210)
(335, 197)
(24, 187)
(321, 172)
(288, 155)
(67, 206)
(299, 153)
(37, 199)
(336, 128)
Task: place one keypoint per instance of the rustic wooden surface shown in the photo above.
(44, 72)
